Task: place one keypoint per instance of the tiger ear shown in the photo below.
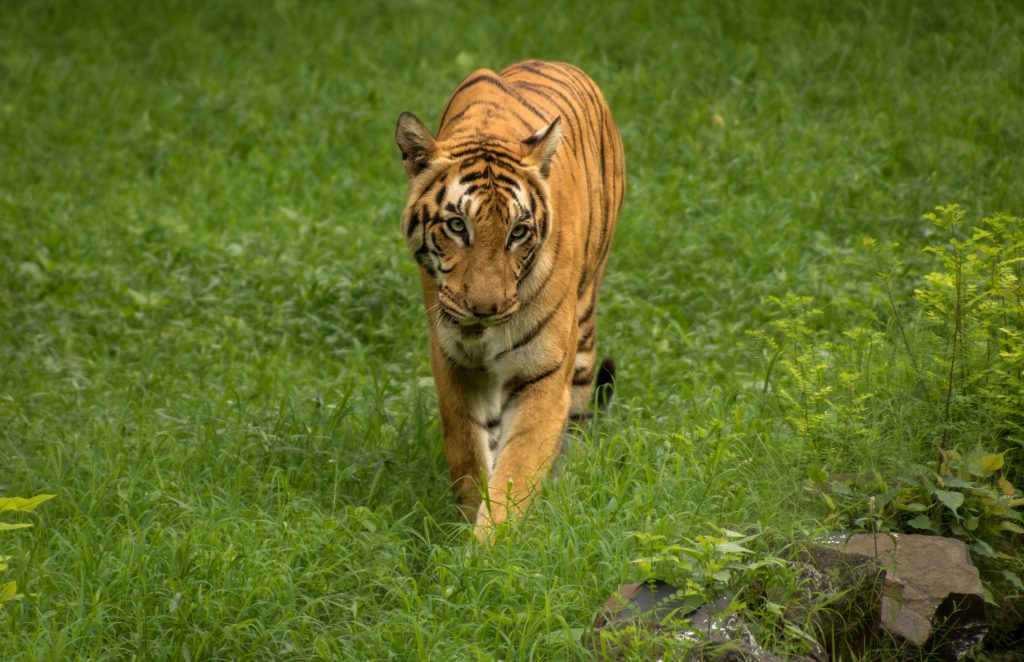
(416, 142)
(542, 146)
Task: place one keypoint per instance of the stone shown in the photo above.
(933, 596)
(649, 602)
(836, 601)
(712, 632)
(858, 596)
(719, 635)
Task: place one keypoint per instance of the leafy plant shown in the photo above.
(704, 566)
(974, 309)
(944, 366)
(9, 590)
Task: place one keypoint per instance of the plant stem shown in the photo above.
(882, 273)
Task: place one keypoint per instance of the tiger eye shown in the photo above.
(456, 225)
(519, 231)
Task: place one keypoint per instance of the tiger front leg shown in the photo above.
(536, 412)
(463, 421)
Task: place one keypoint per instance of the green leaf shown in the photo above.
(922, 522)
(817, 475)
(4, 526)
(992, 462)
(1007, 525)
(953, 500)
(23, 505)
(731, 547)
(1014, 579)
(982, 548)
(9, 591)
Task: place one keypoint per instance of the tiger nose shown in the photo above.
(482, 309)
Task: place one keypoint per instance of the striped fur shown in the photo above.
(510, 215)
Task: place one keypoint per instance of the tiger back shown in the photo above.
(510, 215)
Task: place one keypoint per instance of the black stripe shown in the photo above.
(586, 343)
(542, 90)
(532, 333)
(473, 156)
(473, 104)
(589, 311)
(478, 146)
(429, 185)
(455, 363)
(554, 265)
(472, 177)
(523, 384)
(424, 221)
(421, 254)
(501, 85)
(604, 241)
(586, 336)
(488, 77)
(528, 262)
(414, 222)
(507, 180)
(582, 377)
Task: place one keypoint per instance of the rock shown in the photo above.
(835, 601)
(933, 596)
(648, 603)
(642, 607)
(719, 635)
(658, 609)
(854, 595)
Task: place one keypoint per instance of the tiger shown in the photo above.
(510, 215)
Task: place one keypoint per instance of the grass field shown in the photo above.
(212, 348)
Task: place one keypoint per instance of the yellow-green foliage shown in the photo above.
(947, 363)
(974, 307)
(9, 590)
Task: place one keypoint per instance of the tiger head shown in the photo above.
(476, 218)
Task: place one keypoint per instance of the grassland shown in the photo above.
(212, 348)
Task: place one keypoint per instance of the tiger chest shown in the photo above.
(503, 352)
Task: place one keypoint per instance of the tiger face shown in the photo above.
(476, 219)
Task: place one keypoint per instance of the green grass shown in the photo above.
(212, 347)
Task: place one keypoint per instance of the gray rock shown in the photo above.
(720, 635)
(710, 631)
(921, 590)
(933, 596)
(835, 601)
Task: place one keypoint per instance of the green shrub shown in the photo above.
(938, 374)
(9, 590)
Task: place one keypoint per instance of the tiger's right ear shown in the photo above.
(417, 144)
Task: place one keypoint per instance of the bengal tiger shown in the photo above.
(510, 215)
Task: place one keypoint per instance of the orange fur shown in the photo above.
(510, 215)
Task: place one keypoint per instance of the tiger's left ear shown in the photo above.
(543, 145)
